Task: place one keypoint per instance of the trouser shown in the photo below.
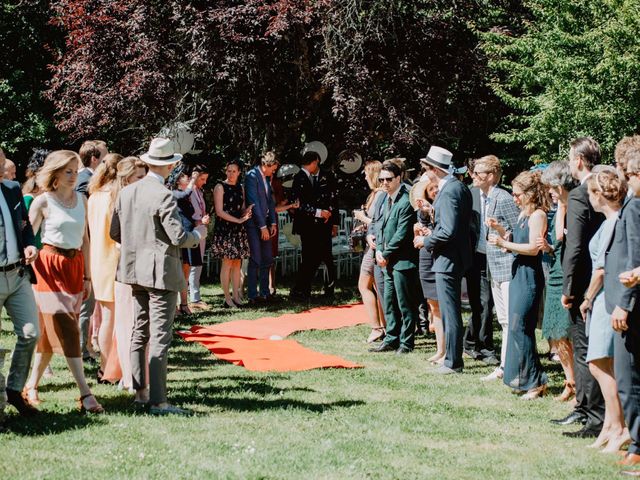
(401, 306)
(16, 295)
(626, 358)
(588, 395)
(194, 277)
(448, 286)
(86, 312)
(316, 248)
(154, 311)
(500, 294)
(478, 336)
(260, 261)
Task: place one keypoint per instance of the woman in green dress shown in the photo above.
(556, 322)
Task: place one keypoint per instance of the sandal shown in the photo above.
(97, 408)
(377, 333)
(30, 396)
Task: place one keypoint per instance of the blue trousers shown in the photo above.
(626, 365)
(448, 286)
(260, 260)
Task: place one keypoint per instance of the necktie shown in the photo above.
(388, 208)
(3, 240)
(314, 181)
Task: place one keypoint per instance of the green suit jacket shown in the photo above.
(396, 232)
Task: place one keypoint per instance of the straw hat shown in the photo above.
(438, 157)
(418, 192)
(161, 152)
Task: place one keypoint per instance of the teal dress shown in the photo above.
(28, 200)
(522, 368)
(556, 320)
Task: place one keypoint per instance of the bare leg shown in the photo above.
(236, 281)
(564, 349)
(105, 334)
(40, 362)
(613, 429)
(225, 278)
(370, 300)
(434, 306)
(184, 293)
(77, 370)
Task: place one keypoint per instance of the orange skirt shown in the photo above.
(59, 297)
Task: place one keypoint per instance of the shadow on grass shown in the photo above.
(50, 423)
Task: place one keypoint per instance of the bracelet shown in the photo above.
(86, 279)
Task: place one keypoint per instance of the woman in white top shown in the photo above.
(62, 271)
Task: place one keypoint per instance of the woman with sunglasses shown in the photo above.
(522, 368)
(607, 191)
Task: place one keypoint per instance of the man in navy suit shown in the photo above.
(450, 242)
(316, 221)
(261, 226)
(17, 252)
(623, 304)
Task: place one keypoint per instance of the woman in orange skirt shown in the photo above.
(62, 271)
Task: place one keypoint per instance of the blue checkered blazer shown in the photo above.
(501, 206)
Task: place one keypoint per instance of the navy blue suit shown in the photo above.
(263, 216)
(623, 255)
(450, 243)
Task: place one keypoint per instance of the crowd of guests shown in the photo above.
(105, 247)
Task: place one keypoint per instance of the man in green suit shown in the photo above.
(399, 261)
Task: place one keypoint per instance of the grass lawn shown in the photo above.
(391, 419)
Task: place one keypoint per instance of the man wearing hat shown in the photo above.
(451, 246)
(147, 225)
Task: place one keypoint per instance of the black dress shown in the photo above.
(425, 264)
(522, 369)
(190, 256)
(230, 239)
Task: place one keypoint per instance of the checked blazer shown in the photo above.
(501, 207)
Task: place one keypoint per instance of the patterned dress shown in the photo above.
(230, 239)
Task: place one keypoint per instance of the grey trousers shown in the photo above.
(153, 323)
(16, 295)
(85, 320)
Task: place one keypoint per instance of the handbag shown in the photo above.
(358, 237)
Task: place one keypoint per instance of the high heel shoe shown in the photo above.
(534, 393)
(30, 396)
(229, 304)
(377, 333)
(97, 408)
(615, 444)
(568, 393)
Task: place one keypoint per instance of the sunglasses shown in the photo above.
(385, 179)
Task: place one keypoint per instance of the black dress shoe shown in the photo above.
(588, 431)
(573, 417)
(16, 399)
(403, 350)
(490, 360)
(383, 347)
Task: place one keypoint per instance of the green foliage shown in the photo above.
(575, 71)
(27, 41)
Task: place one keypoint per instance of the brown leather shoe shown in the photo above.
(630, 460)
(16, 399)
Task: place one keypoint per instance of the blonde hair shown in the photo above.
(623, 148)
(126, 167)
(269, 158)
(371, 172)
(533, 189)
(105, 175)
(490, 162)
(54, 164)
(606, 181)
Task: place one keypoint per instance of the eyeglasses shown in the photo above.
(385, 179)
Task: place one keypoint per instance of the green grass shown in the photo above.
(391, 419)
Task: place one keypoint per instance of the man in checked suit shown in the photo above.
(581, 224)
(623, 254)
(399, 262)
(497, 204)
(147, 225)
(450, 242)
(260, 227)
(316, 221)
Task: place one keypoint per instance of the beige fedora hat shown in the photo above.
(161, 152)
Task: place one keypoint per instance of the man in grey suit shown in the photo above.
(450, 242)
(147, 225)
(92, 153)
(623, 304)
(17, 251)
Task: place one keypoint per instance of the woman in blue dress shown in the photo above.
(607, 191)
(522, 369)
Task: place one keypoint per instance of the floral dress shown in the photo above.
(230, 239)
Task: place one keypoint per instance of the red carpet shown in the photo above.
(246, 342)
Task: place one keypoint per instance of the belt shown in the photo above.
(66, 252)
(9, 268)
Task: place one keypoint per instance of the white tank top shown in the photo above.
(63, 227)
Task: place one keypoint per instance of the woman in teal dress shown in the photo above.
(522, 369)
(556, 321)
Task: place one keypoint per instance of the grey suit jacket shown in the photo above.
(82, 183)
(147, 225)
(501, 206)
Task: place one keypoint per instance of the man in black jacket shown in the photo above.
(316, 221)
(582, 224)
(17, 252)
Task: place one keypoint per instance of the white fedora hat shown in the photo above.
(161, 152)
(438, 157)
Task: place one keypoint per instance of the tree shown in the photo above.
(574, 71)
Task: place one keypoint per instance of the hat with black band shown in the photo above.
(161, 152)
(438, 157)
